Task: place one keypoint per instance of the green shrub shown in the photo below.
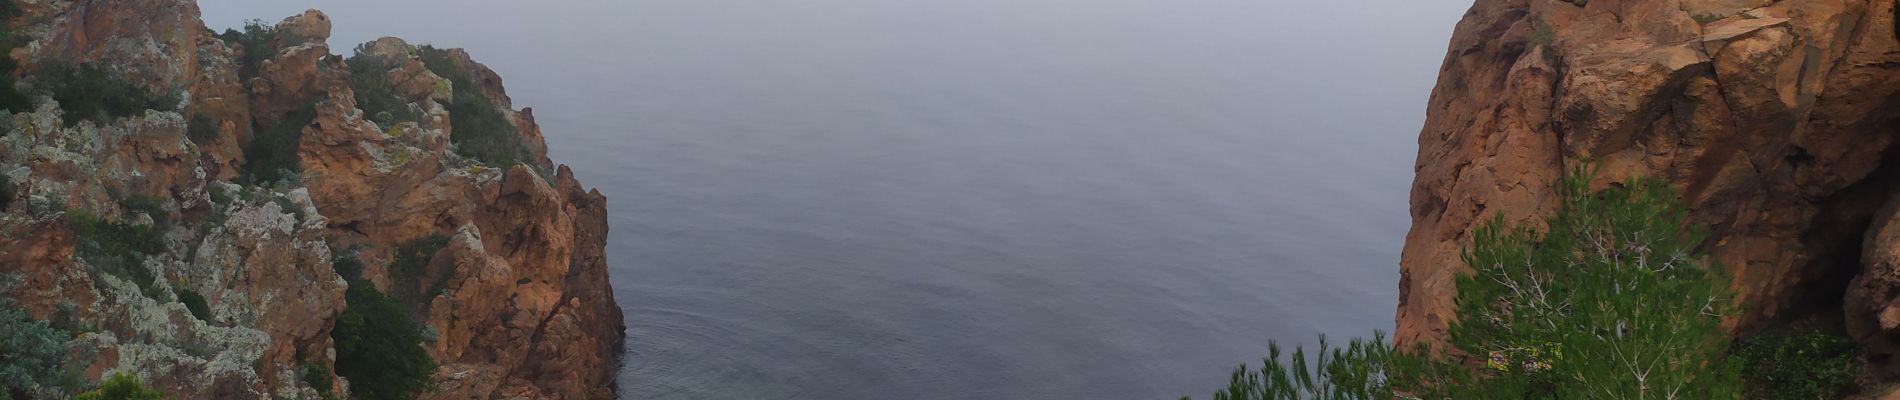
(1804, 366)
(149, 205)
(1615, 271)
(272, 156)
(87, 92)
(202, 130)
(1543, 35)
(1611, 301)
(8, 191)
(379, 349)
(290, 207)
(479, 130)
(218, 196)
(412, 264)
(11, 99)
(347, 265)
(31, 352)
(118, 249)
(259, 41)
(122, 387)
(369, 79)
(318, 377)
(1354, 372)
(196, 303)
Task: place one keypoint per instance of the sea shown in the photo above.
(965, 199)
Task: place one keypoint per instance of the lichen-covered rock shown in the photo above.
(524, 310)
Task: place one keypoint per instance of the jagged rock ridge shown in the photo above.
(524, 309)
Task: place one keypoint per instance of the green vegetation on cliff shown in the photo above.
(31, 353)
(369, 79)
(412, 265)
(122, 387)
(378, 343)
(1609, 301)
(8, 191)
(478, 128)
(378, 348)
(11, 99)
(258, 42)
(1798, 366)
(118, 249)
(87, 92)
(272, 156)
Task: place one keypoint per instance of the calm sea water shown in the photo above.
(970, 199)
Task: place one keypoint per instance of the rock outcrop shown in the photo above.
(1775, 119)
(517, 305)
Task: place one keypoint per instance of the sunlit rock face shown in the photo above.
(523, 310)
(1773, 118)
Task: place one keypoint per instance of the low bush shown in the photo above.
(1354, 372)
(379, 349)
(118, 249)
(1799, 366)
(272, 155)
(1543, 35)
(258, 40)
(87, 92)
(196, 303)
(8, 191)
(31, 353)
(202, 130)
(218, 195)
(318, 377)
(347, 265)
(11, 99)
(369, 79)
(412, 264)
(479, 130)
(148, 205)
(122, 387)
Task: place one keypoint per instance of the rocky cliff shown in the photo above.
(515, 301)
(1776, 119)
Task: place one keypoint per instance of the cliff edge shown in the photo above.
(256, 180)
(1775, 119)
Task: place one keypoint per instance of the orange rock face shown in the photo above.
(1772, 118)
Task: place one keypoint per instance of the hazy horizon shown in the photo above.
(965, 200)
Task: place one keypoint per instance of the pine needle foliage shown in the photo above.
(1609, 301)
(1356, 371)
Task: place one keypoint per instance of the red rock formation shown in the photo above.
(525, 311)
(1773, 118)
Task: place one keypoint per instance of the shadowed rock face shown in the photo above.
(1773, 118)
(524, 310)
